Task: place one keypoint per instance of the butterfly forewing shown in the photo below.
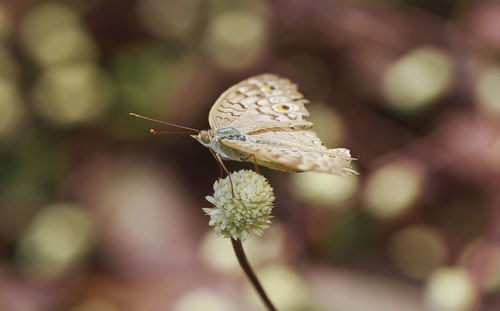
(263, 101)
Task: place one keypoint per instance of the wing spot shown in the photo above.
(282, 107)
(285, 107)
(267, 88)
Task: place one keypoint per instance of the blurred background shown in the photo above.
(96, 214)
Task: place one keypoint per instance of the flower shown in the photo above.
(247, 212)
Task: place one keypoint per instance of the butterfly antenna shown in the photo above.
(162, 122)
(154, 132)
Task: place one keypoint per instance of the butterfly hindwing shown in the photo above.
(292, 158)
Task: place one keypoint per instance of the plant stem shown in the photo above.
(242, 259)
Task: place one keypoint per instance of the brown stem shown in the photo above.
(242, 259)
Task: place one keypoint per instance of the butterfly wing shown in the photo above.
(294, 150)
(263, 101)
(270, 112)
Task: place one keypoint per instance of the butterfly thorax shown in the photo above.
(212, 140)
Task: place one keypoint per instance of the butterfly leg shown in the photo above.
(255, 164)
(223, 167)
(221, 171)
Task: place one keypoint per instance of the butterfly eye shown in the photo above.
(205, 138)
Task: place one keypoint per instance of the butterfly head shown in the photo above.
(205, 137)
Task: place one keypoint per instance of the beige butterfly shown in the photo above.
(261, 119)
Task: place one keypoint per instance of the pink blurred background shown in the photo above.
(96, 214)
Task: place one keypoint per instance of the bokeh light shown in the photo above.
(331, 191)
(202, 299)
(418, 78)
(219, 254)
(487, 91)
(393, 188)
(450, 289)
(418, 250)
(53, 34)
(271, 247)
(59, 237)
(327, 123)
(236, 39)
(289, 290)
(174, 18)
(73, 94)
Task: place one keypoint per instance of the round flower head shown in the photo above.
(247, 212)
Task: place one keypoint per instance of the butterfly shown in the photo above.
(262, 119)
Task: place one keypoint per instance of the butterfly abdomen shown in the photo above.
(228, 153)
